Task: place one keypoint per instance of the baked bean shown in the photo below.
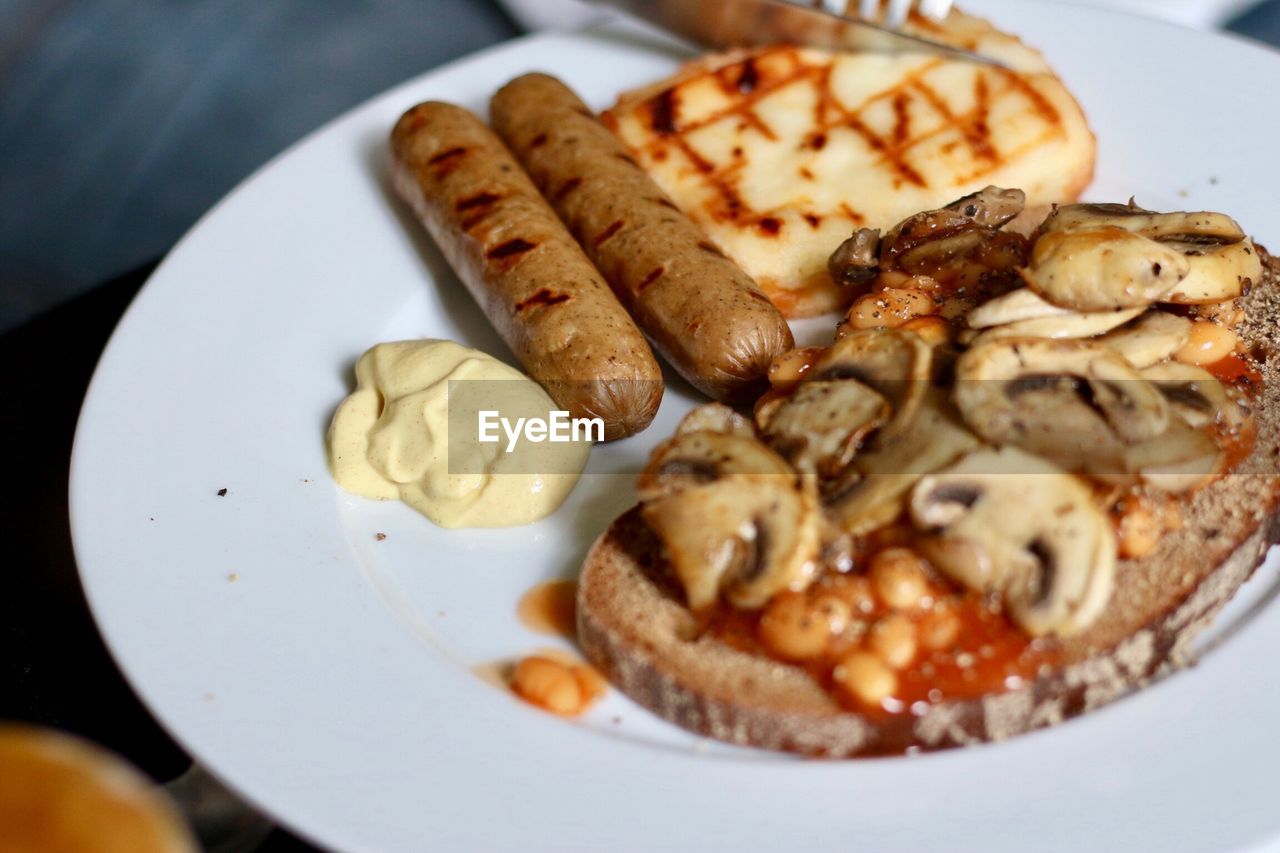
(927, 283)
(835, 612)
(794, 628)
(891, 280)
(1207, 342)
(1228, 312)
(865, 677)
(854, 590)
(890, 536)
(790, 367)
(899, 579)
(939, 628)
(591, 684)
(889, 309)
(893, 638)
(550, 685)
(898, 280)
(934, 330)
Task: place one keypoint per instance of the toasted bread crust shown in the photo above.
(636, 629)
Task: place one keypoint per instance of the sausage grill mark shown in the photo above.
(510, 249)
(480, 206)
(649, 279)
(708, 246)
(482, 199)
(568, 187)
(414, 120)
(446, 161)
(544, 297)
(538, 141)
(666, 203)
(603, 237)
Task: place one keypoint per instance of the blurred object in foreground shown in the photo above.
(58, 792)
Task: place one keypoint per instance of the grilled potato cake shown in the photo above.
(778, 153)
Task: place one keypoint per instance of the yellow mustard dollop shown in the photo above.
(391, 438)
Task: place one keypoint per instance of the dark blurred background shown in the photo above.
(121, 121)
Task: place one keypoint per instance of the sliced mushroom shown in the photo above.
(716, 417)
(1074, 402)
(856, 260)
(1217, 272)
(1222, 261)
(1179, 460)
(1013, 307)
(733, 518)
(936, 233)
(1064, 327)
(1182, 227)
(991, 207)
(1006, 522)
(880, 478)
(1194, 394)
(1103, 268)
(896, 364)
(694, 457)
(1151, 338)
(823, 424)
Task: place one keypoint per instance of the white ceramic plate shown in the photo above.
(327, 675)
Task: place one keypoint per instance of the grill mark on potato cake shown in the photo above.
(777, 68)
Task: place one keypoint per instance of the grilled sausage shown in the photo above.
(706, 316)
(524, 269)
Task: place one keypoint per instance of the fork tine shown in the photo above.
(936, 9)
(897, 14)
(869, 9)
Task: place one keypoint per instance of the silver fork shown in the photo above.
(894, 15)
(868, 25)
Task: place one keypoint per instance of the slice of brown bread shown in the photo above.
(636, 629)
